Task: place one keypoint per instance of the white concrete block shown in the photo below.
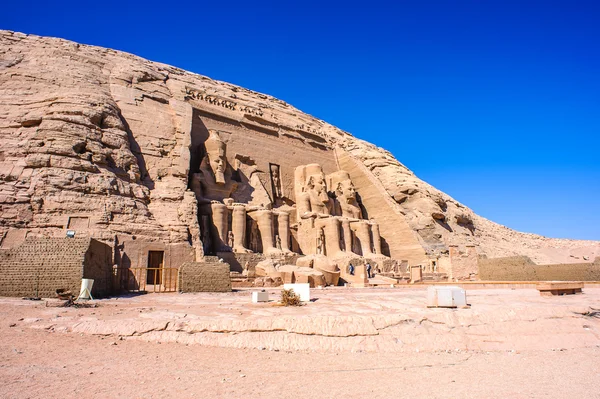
(303, 290)
(446, 297)
(260, 297)
(86, 288)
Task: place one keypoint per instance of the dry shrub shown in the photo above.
(290, 298)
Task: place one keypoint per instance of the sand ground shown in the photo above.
(375, 343)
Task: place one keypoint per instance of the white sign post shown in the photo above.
(86, 289)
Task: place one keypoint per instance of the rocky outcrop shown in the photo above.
(105, 141)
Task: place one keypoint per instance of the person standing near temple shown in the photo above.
(368, 270)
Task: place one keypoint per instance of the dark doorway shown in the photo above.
(155, 266)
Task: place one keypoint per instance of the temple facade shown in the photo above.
(167, 167)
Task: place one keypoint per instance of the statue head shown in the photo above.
(274, 170)
(315, 181)
(341, 182)
(215, 151)
(345, 191)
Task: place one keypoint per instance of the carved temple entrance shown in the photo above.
(155, 266)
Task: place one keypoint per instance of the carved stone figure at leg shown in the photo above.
(376, 237)
(347, 235)
(206, 234)
(283, 230)
(230, 239)
(254, 237)
(264, 219)
(219, 216)
(320, 242)
(238, 226)
(362, 231)
(331, 229)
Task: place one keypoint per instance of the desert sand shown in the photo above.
(352, 343)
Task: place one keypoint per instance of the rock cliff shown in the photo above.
(98, 140)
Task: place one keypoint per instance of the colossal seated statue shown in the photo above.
(313, 206)
(346, 205)
(214, 187)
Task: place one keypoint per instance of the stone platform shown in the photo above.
(390, 320)
(549, 288)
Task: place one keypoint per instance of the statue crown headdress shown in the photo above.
(336, 178)
(214, 143)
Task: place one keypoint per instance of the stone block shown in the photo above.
(416, 274)
(260, 297)
(204, 277)
(446, 297)
(549, 288)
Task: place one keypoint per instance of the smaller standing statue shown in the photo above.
(275, 181)
(230, 240)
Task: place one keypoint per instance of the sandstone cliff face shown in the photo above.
(100, 140)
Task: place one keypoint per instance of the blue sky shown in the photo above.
(497, 103)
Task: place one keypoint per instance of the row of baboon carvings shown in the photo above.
(232, 105)
(327, 218)
(222, 102)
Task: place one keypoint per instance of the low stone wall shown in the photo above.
(204, 277)
(521, 268)
(40, 266)
(240, 262)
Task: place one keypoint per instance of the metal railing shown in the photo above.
(145, 279)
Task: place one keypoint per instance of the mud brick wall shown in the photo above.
(40, 266)
(204, 277)
(237, 261)
(521, 268)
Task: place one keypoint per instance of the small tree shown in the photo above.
(290, 298)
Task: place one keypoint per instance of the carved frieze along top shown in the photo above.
(308, 133)
(251, 110)
(221, 101)
(309, 129)
(211, 98)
